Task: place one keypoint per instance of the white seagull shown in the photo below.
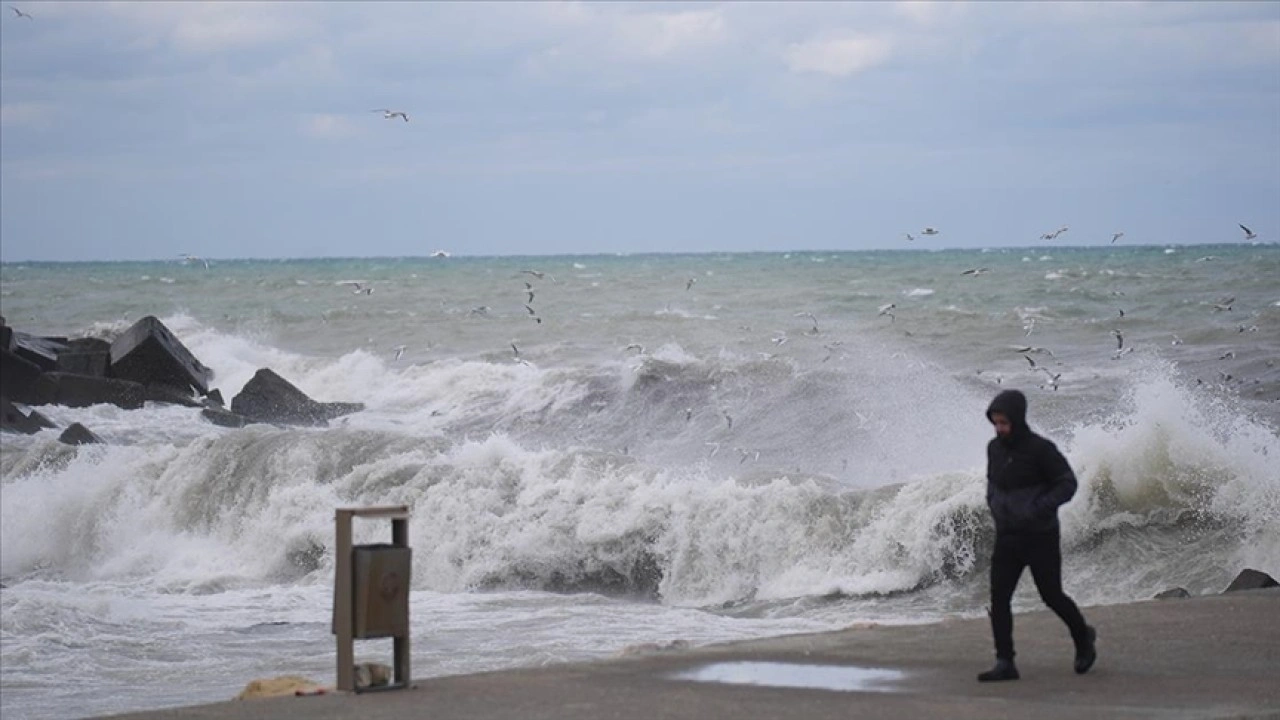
(976, 271)
(812, 319)
(928, 231)
(360, 289)
(189, 258)
(392, 114)
(1115, 237)
(910, 237)
(19, 13)
(1248, 234)
(884, 310)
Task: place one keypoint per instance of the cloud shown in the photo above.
(657, 35)
(26, 114)
(327, 126)
(838, 56)
(208, 27)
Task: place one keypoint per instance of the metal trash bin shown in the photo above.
(381, 590)
(371, 593)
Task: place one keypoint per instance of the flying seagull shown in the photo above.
(884, 310)
(928, 231)
(538, 274)
(1115, 237)
(518, 357)
(19, 13)
(1248, 234)
(188, 257)
(392, 114)
(910, 237)
(690, 283)
(976, 271)
(812, 319)
(360, 289)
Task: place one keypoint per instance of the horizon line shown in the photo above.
(452, 256)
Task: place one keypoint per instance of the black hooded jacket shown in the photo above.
(1027, 477)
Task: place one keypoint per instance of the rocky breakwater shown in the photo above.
(146, 363)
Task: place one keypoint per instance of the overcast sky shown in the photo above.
(233, 130)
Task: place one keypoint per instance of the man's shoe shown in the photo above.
(1087, 653)
(1004, 670)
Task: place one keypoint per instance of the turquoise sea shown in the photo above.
(606, 451)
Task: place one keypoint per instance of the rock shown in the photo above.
(148, 353)
(86, 356)
(56, 388)
(43, 351)
(1251, 580)
(270, 398)
(225, 418)
(18, 378)
(88, 344)
(14, 420)
(94, 364)
(77, 434)
(171, 395)
(1172, 594)
(6, 338)
(41, 420)
(214, 399)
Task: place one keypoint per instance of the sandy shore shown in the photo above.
(1208, 657)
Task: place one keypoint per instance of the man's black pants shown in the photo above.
(1040, 552)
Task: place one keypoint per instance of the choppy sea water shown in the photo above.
(686, 447)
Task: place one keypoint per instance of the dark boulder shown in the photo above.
(18, 378)
(1251, 580)
(13, 420)
(171, 395)
(148, 353)
(224, 418)
(214, 399)
(1172, 594)
(86, 356)
(56, 388)
(94, 364)
(41, 420)
(270, 398)
(43, 351)
(77, 434)
(6, 338)
(88, 344)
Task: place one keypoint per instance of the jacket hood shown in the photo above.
(1013, 405)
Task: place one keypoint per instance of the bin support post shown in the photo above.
(344, 605)
(342, 602)
(400, 644)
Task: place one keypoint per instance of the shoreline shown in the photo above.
(1214, 656)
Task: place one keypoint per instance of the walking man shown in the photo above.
(1027, 480)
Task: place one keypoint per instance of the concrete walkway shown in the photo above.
(1208, 657)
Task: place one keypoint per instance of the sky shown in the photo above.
(244, 130)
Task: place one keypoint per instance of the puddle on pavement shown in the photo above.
(847, 678)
